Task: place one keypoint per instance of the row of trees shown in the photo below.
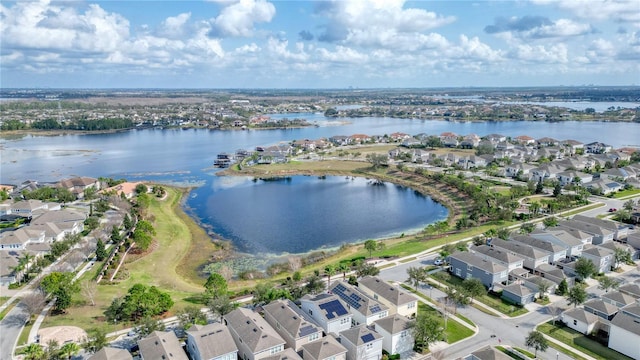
(83, 124)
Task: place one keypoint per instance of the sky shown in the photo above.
(318, 44)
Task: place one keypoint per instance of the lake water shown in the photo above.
(186, 156)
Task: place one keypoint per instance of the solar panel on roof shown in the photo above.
(375, 308)
(367, 338)
(307, 330)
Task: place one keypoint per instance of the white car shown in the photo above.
(438, 261)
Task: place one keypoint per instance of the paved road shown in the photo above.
(10, 328)
(512, 331)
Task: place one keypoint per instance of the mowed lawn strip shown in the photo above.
(581, 342)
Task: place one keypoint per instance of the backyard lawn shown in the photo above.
(580, 342)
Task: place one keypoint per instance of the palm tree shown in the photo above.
(34, 352)
(329, 270)
(343, 268)
(537, 341)
(416, 276)
(70, 349)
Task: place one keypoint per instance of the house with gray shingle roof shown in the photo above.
(467, 265)
(600, 235)
(619, 230)
(8, 261)
(580, 320)
(601, 257)
(632, 289)
(504, 258)
(365, 310)
(624, 335)
(295, 327)
(211, 342)
(397, 337)
(555, 251)
(398, 300)
(160, 345)
(327, 348)
(362, 343)
(532, 257)
(109, 353)
(600, 308)
(487, 353)
(287, 354)
(328, 311)
(562, 237)
(618, 298)
(518, 294)
(254, 337)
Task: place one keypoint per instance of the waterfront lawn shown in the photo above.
(454, 331)
(580, 342)
(625, 193)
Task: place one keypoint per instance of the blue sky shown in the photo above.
(318, 44)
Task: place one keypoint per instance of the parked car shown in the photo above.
(613, 210)
(438, 261)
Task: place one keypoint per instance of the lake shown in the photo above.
(186, 156)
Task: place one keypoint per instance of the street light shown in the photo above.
(557, 355)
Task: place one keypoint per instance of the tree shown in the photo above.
(344, 268)
(216, 285)
(70, 349)
(503, 233)
(576, 296)
(527, 228)
(97, 340)
(585, 268)
(543, 287)
(563, 288)
(140, 302)
(365, 269)
(607, 283)
(190, 316)
(426, 331)
(329, 270)
(314, 284)
(550, 221)
(537, 341)
(557, 190)
(52, 350)
(141, 189)
(473, 287)
(416, 276)
(89, 289)
(221, 306)
(539, 187)
(34, 351)
(371, 246)
(621, 255)
(33, 303)
(101, 251)
(377, 160)
(149, 325)
(61, 286)
(628, 205)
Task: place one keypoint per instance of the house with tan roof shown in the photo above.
(397, 337)
(110, 353)
(78, 185)
(211, 342)
(398, 300)
(293, 325)
(254, 337)
(328, 311)
(161, 345)
(362, 343)
(327, 348)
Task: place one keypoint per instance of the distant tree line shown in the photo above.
(83, 124)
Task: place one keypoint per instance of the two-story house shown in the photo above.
(532, 257)
(327, 348)
(362, 343)
(398, 300)
(161, 345)
(499, 256)
(328, 311)
(467, 265)
(397, 337)
(293, 325)
(601, 257)
(365, 310)
(254, 337)
(211, 342)
(554, 251)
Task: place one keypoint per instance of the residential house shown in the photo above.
(554, 251)
(254, 337)
(544, 172)
(411, 143)
(597, 148)
(618, 299)
(618, 174)
(362, 343)
(328, 311)
(472, 161)
(499, 256)
(78, 185)
(619, 230)
(525, 140)
(495, 138)
(27, 208)
(547, 141)
(574, 177)
(8, 262)
(580, 320)
(605, 186)
(161, 345)
(601, 257)
(470, 141)
(397, 337)
(111, 353)
(518, 294)
(624, 335)
(601, 309)
(365, 310)
(572, 145)
(487, 353)
(519, 169)
(622, 246)
(531, 256)
(211, 342)
(467, 265)
(560, 236)
(293, 325)
(69, 221)
(395, 298)
(632, 289)
(286, 354)
(552, 273)
(327, 348)
(359, 138)
(632, 310)
(550, 153)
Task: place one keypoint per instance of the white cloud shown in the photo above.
(174, 26)
(627, 11)
(554, 54)
(560, 28)
(239, 18)
(342, 54)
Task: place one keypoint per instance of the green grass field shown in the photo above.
(580, 342)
